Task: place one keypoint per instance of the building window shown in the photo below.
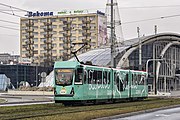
(42, 45)
(35, 21)
(54, 26)
(42, 51)
(53, 19)
(54, 32)
(35, 46)
(61, 26)
(61, 32)
(42, 39)
(54, 45)
(62, 19)
(61, 38)
(80, 26)
(35, 33)
(61, 44)
(43, 20)
(36, 40)
(42, 33)
(61, 51)
(81, 18)
(35, 27)
(54, 51)
(92, 18)
(73, 32)
(54, 39)
(42, 27)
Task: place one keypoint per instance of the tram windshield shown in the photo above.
(64, 76)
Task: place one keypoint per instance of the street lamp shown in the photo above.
(147, 62)
(155, 81)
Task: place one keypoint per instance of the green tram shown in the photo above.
(79, 83)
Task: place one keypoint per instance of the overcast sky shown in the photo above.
(9, 39)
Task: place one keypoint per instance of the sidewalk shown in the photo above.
(166, 94)
(17, 92)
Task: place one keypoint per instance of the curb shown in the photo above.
(24, 102)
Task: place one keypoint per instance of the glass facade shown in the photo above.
(18, 73)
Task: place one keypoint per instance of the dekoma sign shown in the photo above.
(33, 14)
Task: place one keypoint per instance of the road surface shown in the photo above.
(167, 114)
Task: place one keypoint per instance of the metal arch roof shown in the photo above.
(102, 56)
(150, 38)
(162, 36)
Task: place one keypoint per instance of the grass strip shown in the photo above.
(58, 111)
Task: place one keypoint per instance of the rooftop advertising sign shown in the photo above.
(34, 14)
(66, 12)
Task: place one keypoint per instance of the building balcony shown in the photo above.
(86, 21)
(86, 27)
(48, 48)
(48, 41)
(48, 35)
(48, 29)
(67, 28)
(86, 40)
(30, 24)
(47, 54)
(66, 54)
(67, 22)
(29, 42)
(47, 23)
(67, 34)
(86, 34)
(29, 30)
(66, 41)
(29, 36)
(65, 47)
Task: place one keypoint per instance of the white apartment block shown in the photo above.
(45, 39)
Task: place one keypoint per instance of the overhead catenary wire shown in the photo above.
(138, 7)
(9, 28)
(9, 22)
(143, 20)
(13, 7)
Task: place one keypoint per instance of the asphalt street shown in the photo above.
(167, 114)
(22, 99)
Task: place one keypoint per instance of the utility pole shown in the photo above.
(140, 49)
(155, 29)
(112, 36)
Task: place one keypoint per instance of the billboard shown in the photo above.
(102, 30)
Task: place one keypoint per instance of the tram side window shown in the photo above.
(108, 78)
(135, 79)
(79, 76)
(125, 82)
(90, 77)
(141, 82)
(99, 77)
(85, 77)
(105, 77)
(94, 77)
(121, 83)
(115, 77)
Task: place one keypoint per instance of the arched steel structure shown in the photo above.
(163, 76)
(162, 46)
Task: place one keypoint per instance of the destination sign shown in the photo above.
(65, 70)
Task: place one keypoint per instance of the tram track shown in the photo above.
(58, 109)
(30, 112)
